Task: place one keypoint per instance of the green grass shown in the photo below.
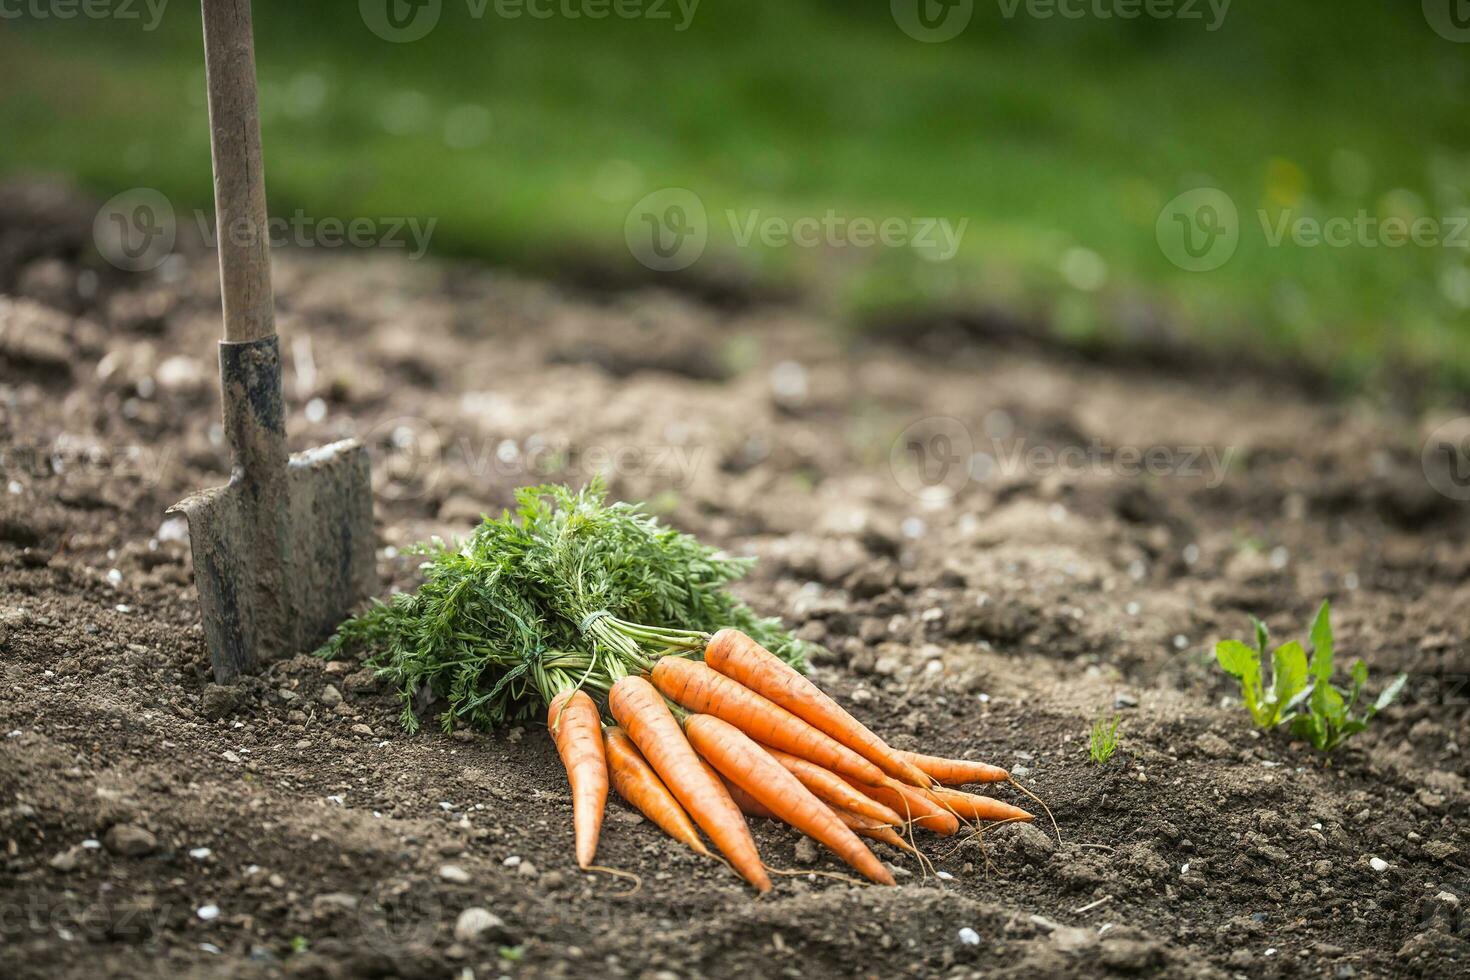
(1058, 141)
(1102, 739)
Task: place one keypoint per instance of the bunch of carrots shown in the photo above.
(704, 744)
(583, 608)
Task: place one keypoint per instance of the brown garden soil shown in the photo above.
(992, 616)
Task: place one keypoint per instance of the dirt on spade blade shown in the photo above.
(994, 543)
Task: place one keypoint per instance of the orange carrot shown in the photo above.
(574, 723)
(745, 764)
(749, 805)
(914, 805)
(641, 711)
(955, 772)
(873, 830)
(831, 789)
(737, 656)
(706, 691)
(973, 807)
(636, 782)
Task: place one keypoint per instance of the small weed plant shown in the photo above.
(1102, 741)
(1300, 693)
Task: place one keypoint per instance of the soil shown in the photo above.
(974, 596)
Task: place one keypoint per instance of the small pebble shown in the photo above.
(944, 876)
(1378, 864)
(512, 861)
(474, 921)
(199, 853)
(207, 912)
(454, 874)
(969, 937)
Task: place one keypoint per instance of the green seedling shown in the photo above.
(1302, 694)
(1267, 702)
(1102, 741)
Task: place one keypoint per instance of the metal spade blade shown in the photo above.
(284, 550)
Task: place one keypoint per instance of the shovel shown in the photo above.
(284, 550)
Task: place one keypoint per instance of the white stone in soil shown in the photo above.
(454, 874)
(473, 921)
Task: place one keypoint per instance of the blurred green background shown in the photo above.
(1059, 140)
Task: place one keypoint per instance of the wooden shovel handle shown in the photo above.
(239, 182)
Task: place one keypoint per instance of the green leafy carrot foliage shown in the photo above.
(566, 590)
